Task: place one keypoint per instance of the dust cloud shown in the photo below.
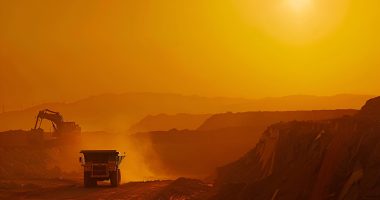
(135, 165)
(29, 155)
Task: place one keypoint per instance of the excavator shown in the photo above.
(59, 125)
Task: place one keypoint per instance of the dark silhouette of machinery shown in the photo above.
(100, 165)
(59, 125)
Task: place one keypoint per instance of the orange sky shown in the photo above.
(61, 51)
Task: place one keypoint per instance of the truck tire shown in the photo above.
(114, 176)
(118, 176)
(93, 182)
(88, 181)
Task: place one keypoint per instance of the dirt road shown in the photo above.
(73, 189)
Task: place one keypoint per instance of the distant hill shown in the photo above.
(117, 112)
(264, 119)
(164, 122)
(304, 102)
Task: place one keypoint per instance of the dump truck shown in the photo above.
(101, 165)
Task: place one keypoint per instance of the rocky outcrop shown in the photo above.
(330, 159)
(371, 110)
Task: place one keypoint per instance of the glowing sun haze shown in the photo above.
(299, 5)
(66, 50)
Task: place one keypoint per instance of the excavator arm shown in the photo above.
(55, 117)
(59, 125)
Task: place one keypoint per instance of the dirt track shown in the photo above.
(70, 189)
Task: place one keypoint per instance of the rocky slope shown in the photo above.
(330, 159)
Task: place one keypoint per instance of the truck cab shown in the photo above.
(100, 165)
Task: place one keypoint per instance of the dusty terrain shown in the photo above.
(73, 189)
(181, 188)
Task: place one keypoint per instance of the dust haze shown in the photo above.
(207, 100)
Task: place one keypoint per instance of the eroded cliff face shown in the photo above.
(331, 159)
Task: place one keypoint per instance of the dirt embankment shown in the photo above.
(332, 159)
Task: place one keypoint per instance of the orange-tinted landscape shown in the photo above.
(200, 100)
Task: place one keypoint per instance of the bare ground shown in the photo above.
(73, 189)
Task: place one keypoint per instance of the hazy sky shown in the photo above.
(61, 51)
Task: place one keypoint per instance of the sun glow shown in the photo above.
(295, 21)
(299, 6)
